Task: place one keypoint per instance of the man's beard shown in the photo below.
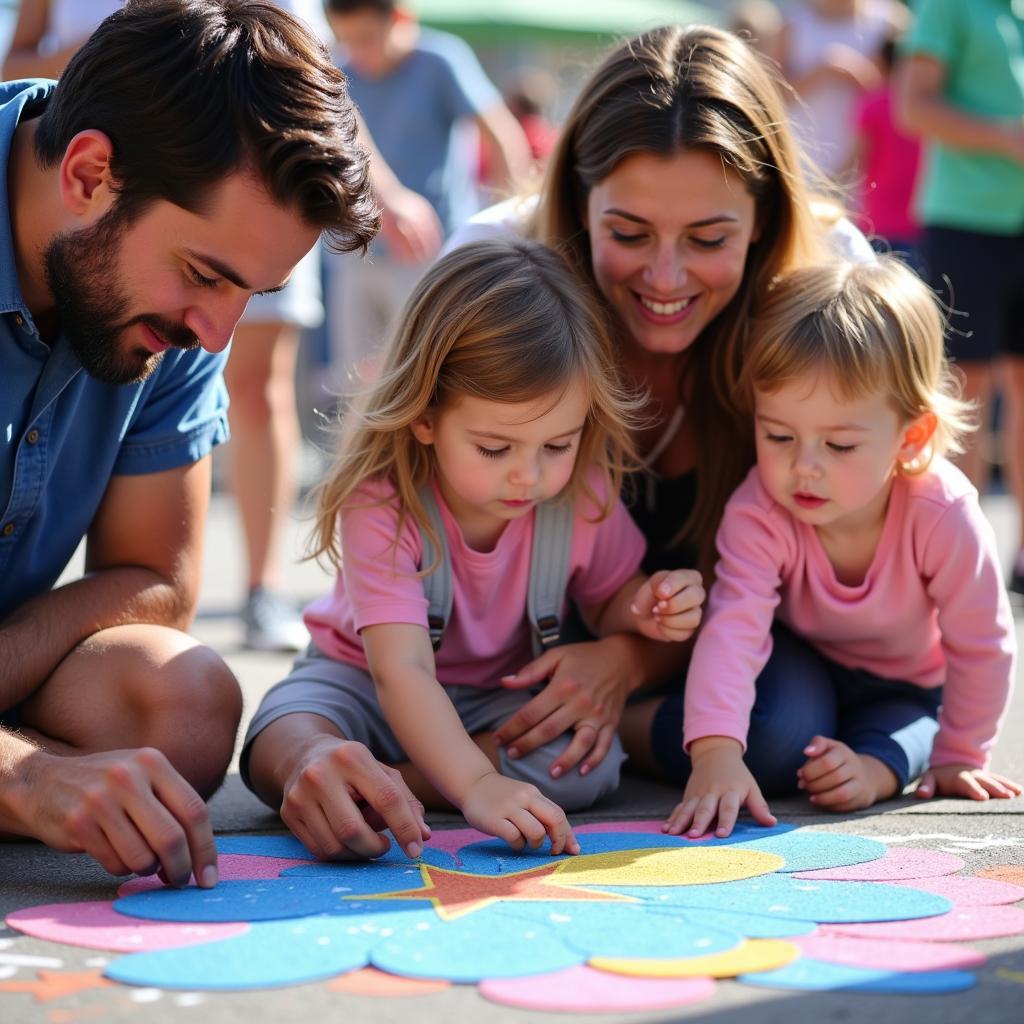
(82, 270)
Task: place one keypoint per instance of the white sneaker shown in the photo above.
(272, 623)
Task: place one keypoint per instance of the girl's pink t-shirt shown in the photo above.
(932, 610)
(488, 634)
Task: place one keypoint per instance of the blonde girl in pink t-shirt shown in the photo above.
(498, 393)
(855, 534)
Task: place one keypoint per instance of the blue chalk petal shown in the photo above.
(626, 929)
(817, 975)
(276, 953)
(805, 850)
(264, 846)
(496, 857)
(252, 900)
(797, 898)
(353, 878)
(750, 926)
(468, 949)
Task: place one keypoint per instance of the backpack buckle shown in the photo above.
(548, 630)
(435, 626)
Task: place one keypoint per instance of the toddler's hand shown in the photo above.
(963, 780)
(839, 779)
(518, 813)
(668, 605)
(720, 783)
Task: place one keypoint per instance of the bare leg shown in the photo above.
(260, 375)
(1012, 373)
(141, 686)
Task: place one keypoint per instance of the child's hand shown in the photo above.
(668, 605)
(720, 783)
(839, 779)
(963, 780)
(518, 813)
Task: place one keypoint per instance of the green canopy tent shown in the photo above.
(493, 22)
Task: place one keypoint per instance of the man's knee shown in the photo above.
(144, 685)
(192, 714)
(571, 791)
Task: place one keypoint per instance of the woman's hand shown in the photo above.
(588, 684)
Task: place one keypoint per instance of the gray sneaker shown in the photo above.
(272, 623)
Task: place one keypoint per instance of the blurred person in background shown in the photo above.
(830, 55)
(885, 161)
(961, 88)
(417, 90)
(760, 23)
(529, 93)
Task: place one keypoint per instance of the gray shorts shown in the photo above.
(346, 697)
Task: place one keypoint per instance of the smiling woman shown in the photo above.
(678, 194)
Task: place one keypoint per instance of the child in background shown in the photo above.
(886, 160)
(498, 393)
(854, 532)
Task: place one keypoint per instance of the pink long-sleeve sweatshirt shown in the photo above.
(932, 610)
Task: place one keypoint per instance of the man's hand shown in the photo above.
(129, 809)
(966, 781)
(339, 798)
(518, 813)
(719, 785)
(668, 605)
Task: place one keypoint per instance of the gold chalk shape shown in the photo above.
(749, 957)
(660, 866)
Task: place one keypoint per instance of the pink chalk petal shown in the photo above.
(231, 867)
(967, 890)
(454, 839)
(889, 954)
(899, 863)
(584, 990)
(960, 924)
(96, 925)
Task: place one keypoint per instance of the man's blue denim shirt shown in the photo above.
(64, 434)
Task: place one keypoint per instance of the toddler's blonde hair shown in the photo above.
(871, 327)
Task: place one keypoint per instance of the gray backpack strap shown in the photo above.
(549, 572)
(437, 586)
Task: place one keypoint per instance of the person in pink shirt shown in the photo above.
(855, 534)
(886, 160)
(498, 394)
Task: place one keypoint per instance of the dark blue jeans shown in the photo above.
(800, 694)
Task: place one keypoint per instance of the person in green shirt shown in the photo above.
(961, 88)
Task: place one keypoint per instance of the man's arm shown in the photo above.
(409, 223)
(142, 566)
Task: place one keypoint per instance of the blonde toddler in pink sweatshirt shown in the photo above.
(855, 533)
